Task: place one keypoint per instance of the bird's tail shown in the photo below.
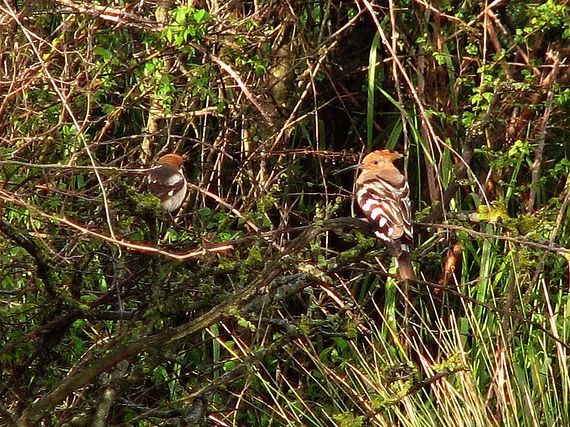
(405, 268)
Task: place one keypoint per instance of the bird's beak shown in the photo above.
(352, 167)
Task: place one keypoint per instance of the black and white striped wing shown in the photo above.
(164, 181)
(387, 207)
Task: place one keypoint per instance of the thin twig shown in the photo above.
(541, 137)
(523, 242)
(131, 246)
(30, 36)
(242, 86)
(73, 167)
(112, 14)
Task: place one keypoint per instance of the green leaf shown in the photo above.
(103, 53)
(200, 15)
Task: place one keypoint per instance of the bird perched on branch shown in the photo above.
(167, 182)
(383, 194)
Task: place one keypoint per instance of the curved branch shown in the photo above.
(24, 240)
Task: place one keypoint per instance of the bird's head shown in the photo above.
(173, 160)
(374, 160)
(380, 158)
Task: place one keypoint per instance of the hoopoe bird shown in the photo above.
(167, 182)
(383, 194)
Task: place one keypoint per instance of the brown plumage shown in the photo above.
(167, 182)
(383, 194)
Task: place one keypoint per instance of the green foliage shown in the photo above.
(549, 16)
(188, 24)
(348, 420)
